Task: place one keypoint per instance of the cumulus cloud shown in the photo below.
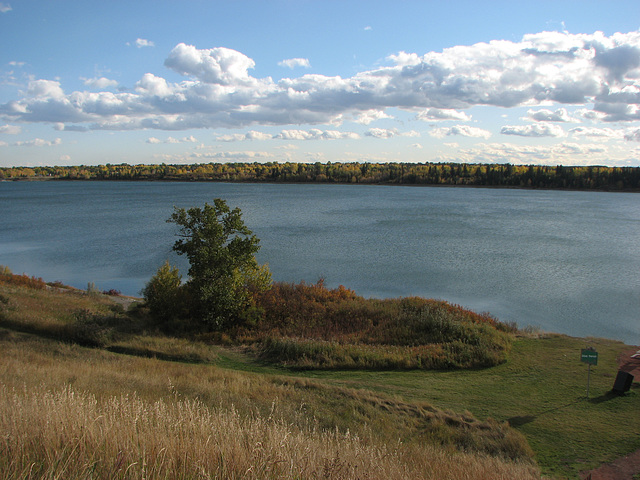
(221, 66)
(534, 130)
(10, 129)
(219, 91)
(295, 62)
(141, 43)
(101, 82)
(365, 118)
(462, 130)
(5, 7)
(442, 114)
(544, 115)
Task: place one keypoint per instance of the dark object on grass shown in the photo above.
(623, 382)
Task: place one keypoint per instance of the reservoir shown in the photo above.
(563, 261)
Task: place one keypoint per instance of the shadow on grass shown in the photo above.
(520, 420)
(610, 395)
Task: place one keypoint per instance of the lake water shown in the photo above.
(567, 262)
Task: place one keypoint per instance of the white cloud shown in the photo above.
(403, 59)
(65, 158)
(382, 132)
(603, 133)
(5, 7)
(218, 91)
(235, 156)
(295, 62)
(533, 130)
(316, 134)
(365, 118)
(10, 129)
(389, 133)
(39, 142)
(101, 82)
(46, 89)
(442, 114)
(462, 130)
(559, 154)
(221, 66)
(544, 115)
(189, 139)
(250, 135)
(141, 43)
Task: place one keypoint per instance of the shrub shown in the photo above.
(311, 326)
(165, 295)
(20, 280)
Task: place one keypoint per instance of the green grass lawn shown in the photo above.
(541, 391)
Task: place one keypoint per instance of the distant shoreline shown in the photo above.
(280, 182)
(529, 177)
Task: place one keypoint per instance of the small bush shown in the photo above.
(165, 295)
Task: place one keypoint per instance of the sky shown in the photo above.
(155, 81)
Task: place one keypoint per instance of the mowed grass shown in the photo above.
(541, 391)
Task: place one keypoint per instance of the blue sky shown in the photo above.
(85, 82)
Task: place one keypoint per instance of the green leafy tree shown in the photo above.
(164, 294)
(224, 274)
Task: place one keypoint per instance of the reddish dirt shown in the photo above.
(626, 467)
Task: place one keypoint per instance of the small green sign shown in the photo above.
(589, 356)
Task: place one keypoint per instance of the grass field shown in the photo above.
(461, 422)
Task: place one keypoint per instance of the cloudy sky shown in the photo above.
(153, 81)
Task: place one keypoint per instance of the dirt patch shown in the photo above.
(624, 468)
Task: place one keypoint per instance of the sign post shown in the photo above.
(590, 357)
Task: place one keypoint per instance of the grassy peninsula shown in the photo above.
(92, 387)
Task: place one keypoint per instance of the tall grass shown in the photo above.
(69, 434)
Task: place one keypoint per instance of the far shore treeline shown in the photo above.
(451, 174)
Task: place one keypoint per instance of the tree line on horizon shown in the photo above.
(446, 174)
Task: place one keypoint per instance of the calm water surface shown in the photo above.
(563, 261)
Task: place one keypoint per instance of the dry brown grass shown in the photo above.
(64, 433)
(71, 412)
